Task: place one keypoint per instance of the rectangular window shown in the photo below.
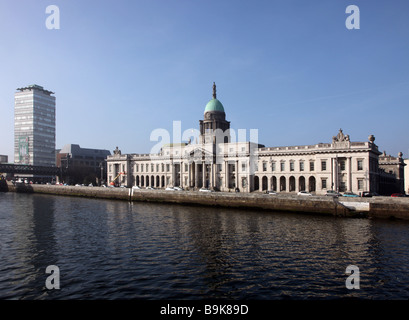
(264, 166)
(312, 166)
(136, 167)
(342, 165)
(323, 183)
(360, 184)
(157, 167)
(186, 167)
(291, 166)
(243, 167)
(163, 167)
(302, 166)
(152, 167)
(273, 166)
(141, 167)
(147, 167)
(167, 167)
(360, 165)
(282, 166)
(323, 165)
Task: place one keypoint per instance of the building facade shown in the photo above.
(406, 176)
(217, 162)
(82, 163)
(391, 174)
(4, 158)
(34, 126)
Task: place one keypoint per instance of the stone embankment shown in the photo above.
(376, 207)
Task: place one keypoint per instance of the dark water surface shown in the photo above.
(119, 250)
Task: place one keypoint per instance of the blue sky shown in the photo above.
(291, 69)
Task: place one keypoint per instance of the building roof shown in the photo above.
(76, 149)
(37, 87)
(214, 105)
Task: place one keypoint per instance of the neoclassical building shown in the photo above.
(216, 161)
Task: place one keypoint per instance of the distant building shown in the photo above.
(34, 126)
(83, 163)
(391, 174)
(4, 158)
(406, 175)
(217, 163)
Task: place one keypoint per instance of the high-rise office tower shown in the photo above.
(34, 126)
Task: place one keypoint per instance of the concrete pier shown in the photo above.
(376, 207)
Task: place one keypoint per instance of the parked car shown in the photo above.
(170, 189)
(178, 188)
(205, 190)
(271, 192)
(397, 195)
(136, 187)
(369, 194)
(332, 193)
(349, 194)
(150, 188)
(304, 193)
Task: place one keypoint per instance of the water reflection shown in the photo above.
(120, 250)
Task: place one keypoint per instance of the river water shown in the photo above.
(118, 250)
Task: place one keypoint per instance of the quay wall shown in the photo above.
(377, 207)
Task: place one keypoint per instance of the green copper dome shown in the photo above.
(214, 105)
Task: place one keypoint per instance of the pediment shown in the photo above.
(199, 153)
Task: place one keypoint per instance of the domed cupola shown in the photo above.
(214, 118)
(214, 105)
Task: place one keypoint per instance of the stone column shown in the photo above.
(196, 175)
(335, 174)
(349, 173)
(332, 174)
(211, 176)
(237, 174)
(203, 174)
(226, 174)
(190, 175)
(173, 174)
(181, 175)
